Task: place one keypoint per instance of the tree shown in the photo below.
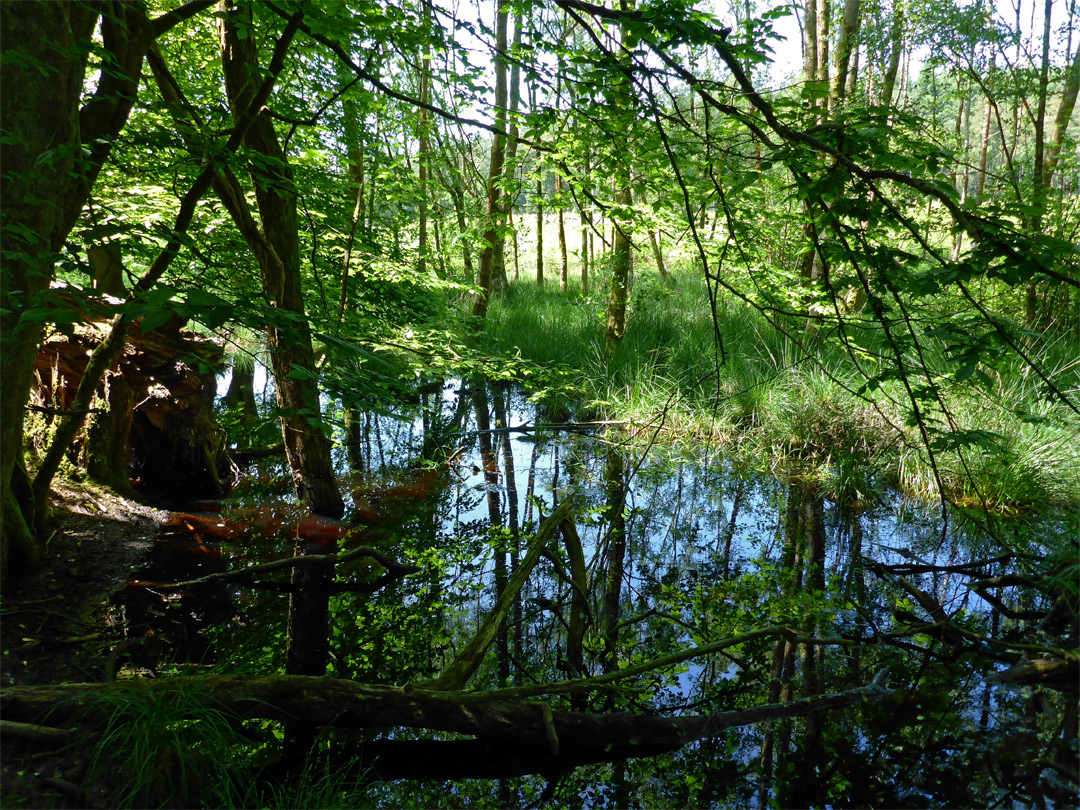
(53, 151)
(508, 181)
(493, 218)
(849, 31)
(423, 158)
(276, 247)
(621, 215)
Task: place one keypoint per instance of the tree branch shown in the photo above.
(252, 571)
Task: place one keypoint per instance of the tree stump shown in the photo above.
(153, 418)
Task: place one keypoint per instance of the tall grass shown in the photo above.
(180, 748)
(783, 410)
(173, 749)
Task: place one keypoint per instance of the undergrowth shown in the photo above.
(175, 749)
(181, 748)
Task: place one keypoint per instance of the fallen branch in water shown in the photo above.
(513, 729)
(392, 566)
(468, 661)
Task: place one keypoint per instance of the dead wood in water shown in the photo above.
(458, 673)
(522, 736)
(252, 572)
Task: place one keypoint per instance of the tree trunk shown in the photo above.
(424, 126)
(620, 276)
(307, 637)
(1039, 179)
(849, 32)
(586, 246)
(291, 355)
(620, 259)
(657, 254)
(586, 223)
(540, 229)
(355, 153)
(824, 22)
(40, 200)
(493, 216)
(853, 73)
(896, 50)
(564, 262)
(509, 184)
(1061, 120)
(984, 145)
(810, 48)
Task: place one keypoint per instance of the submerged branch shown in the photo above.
(249, 573)
(468, 661)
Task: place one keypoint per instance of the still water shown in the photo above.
(666, 551)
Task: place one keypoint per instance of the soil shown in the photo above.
(59, 625)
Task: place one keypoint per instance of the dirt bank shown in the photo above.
(58, 624)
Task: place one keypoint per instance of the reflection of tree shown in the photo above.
(748, 555)
(490, 464)
(615, 543)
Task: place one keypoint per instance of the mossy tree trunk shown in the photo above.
(40, 200)
(508, 730)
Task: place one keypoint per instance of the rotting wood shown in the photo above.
(170, 437)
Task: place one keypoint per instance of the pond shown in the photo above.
(663, 552)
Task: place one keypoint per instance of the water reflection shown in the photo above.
(662, 553)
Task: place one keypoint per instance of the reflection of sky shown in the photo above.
(677, 515)
(678, 511)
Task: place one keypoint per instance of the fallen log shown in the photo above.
(30, 733)
(519, 726)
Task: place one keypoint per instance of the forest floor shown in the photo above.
(59, 624)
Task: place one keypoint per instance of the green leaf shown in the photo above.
(154, 319)
(966, 371)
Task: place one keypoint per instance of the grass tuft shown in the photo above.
(162, 750)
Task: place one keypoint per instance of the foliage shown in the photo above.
(175, 750)
(854, 290)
